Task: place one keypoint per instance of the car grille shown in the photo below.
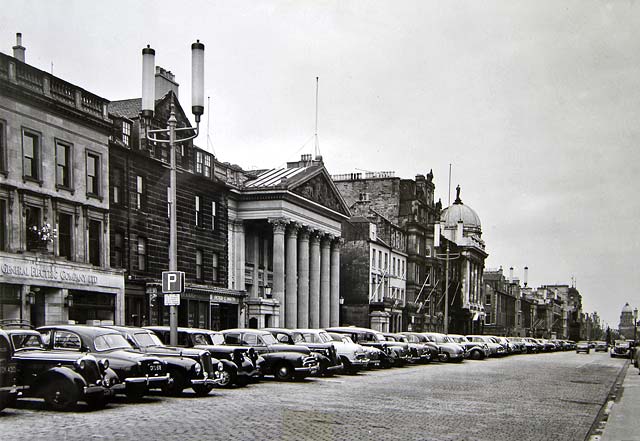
(361, 356)
(91, 371)
(206, 363)
(309, 361)
(153, 368)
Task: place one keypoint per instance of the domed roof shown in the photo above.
(460, 212)
(627, 308)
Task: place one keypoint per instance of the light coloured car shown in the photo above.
(583, 346)
(354, 356)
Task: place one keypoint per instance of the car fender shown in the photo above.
(58, 372)
(229, 365)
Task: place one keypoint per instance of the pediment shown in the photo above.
(319, 188)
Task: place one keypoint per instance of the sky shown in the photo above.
(534, 104)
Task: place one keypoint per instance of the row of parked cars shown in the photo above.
(65, 364)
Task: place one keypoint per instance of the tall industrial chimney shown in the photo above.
(18, 49)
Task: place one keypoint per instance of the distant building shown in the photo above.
(54, 204)
(625, 327)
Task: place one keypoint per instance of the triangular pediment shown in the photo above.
(319, 188)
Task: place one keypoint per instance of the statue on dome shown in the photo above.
(458, 200)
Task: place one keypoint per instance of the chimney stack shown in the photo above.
(165, 81)
(511, 275)
(526, 276)
(18, 49)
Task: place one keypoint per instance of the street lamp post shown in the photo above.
(635, 325)
(197, 108)
(447, 257)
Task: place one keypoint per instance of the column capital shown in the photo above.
(292, 228)
(337, 242)
(279, 224)
(326, 239)
(315, 236)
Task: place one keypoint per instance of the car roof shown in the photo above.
(258, 331)
(351, 329)
(127, 328)
(180, 329)
(22, 331)
(89, 331)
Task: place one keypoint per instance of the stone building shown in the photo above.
(625, 327)
(54, 204)
(499, 303)
(139, 184)
(284, 245)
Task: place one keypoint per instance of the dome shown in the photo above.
(460, 212)
(627, 308)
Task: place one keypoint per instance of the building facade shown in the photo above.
(54, 204)
(626, 325)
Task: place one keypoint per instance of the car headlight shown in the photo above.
(104, 363)
(197, 368)
(220, 367)
(81, 364)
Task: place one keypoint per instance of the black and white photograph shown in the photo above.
(319, 220)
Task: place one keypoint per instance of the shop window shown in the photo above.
(31, 149)
(65, 223)
(214, 267)
(118, 245)
(63, 164)
(142, 253)
(94, 242)
(93, 174)
(199, 265)
(34, 223)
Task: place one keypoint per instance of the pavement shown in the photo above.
(623, 421)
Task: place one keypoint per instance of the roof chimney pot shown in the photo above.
(18, 49)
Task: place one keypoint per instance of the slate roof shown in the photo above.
(274, 177)
(126, 108)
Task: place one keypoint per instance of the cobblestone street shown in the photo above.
(553, 396)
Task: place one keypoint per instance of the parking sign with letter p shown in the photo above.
(172, 282)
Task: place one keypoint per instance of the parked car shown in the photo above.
(8, 385)
(621, 348)
(583, 346)
(241, 365)
(138, 372)
(418, 353)
(504, 342)
(601, 346)
(284, 362)
(372, 339)
(539, 347)
(449, 350)
(415, 337)
(402, 349)
(328, 360)
(354, 357)
(476, 351)
(188, 368)
(525, 346)
(495, 349)
(61, 377)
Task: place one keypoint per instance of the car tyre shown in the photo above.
(476, 355)
(445, 356)
(96, 402)
(176, 385)
(202, 390)
(61, 394)
(135, 392)
(228, 377)
(283, 372)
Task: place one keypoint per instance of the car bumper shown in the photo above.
(148, 380)
(306, 370)
(97, 390)
(206, 381)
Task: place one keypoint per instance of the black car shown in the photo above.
(284, 362)
(325, 352)
(61, 377)
(194, 368)
(138, 372)
(417, 353)
(8, 389)
(241, 365)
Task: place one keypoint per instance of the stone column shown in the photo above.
(291, 282)
(303, 278)
(255, 289)
(325, 277)
(239, 256)
(334, 318)
(314, 281)
(277, 290)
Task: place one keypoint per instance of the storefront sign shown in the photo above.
(48, 272)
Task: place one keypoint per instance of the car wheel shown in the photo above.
(136, 391)
(202, 390)
(445, 356)
(176, 385)
(283, 372)
(227, 377)
(61, 394)
(476, 355)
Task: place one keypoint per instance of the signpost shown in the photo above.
(172, 287)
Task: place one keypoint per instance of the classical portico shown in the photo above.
(284, 246)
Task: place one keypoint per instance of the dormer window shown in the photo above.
(126, 133)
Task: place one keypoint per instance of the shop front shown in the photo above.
(44, 291)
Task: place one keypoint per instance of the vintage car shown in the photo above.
(373, 339)
(188, 368)
(476, 351)
(621, 348)
(418, 353)
(241, 365)
(61, 377)
(138, 372)
(449, 350)
(8, 389)
(524, 346)
(416, 337)
(284, 362)
(353, 356)
(583, 346)
(495, 349)
(539, 347)
(328, 360)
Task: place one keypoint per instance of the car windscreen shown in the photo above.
(111, 341)
(269, 339)
(217, 339)
(310, 337)
(325, 337)
(379, 337)
(146, 339)
(26, 341)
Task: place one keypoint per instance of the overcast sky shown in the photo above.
(534, 103)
